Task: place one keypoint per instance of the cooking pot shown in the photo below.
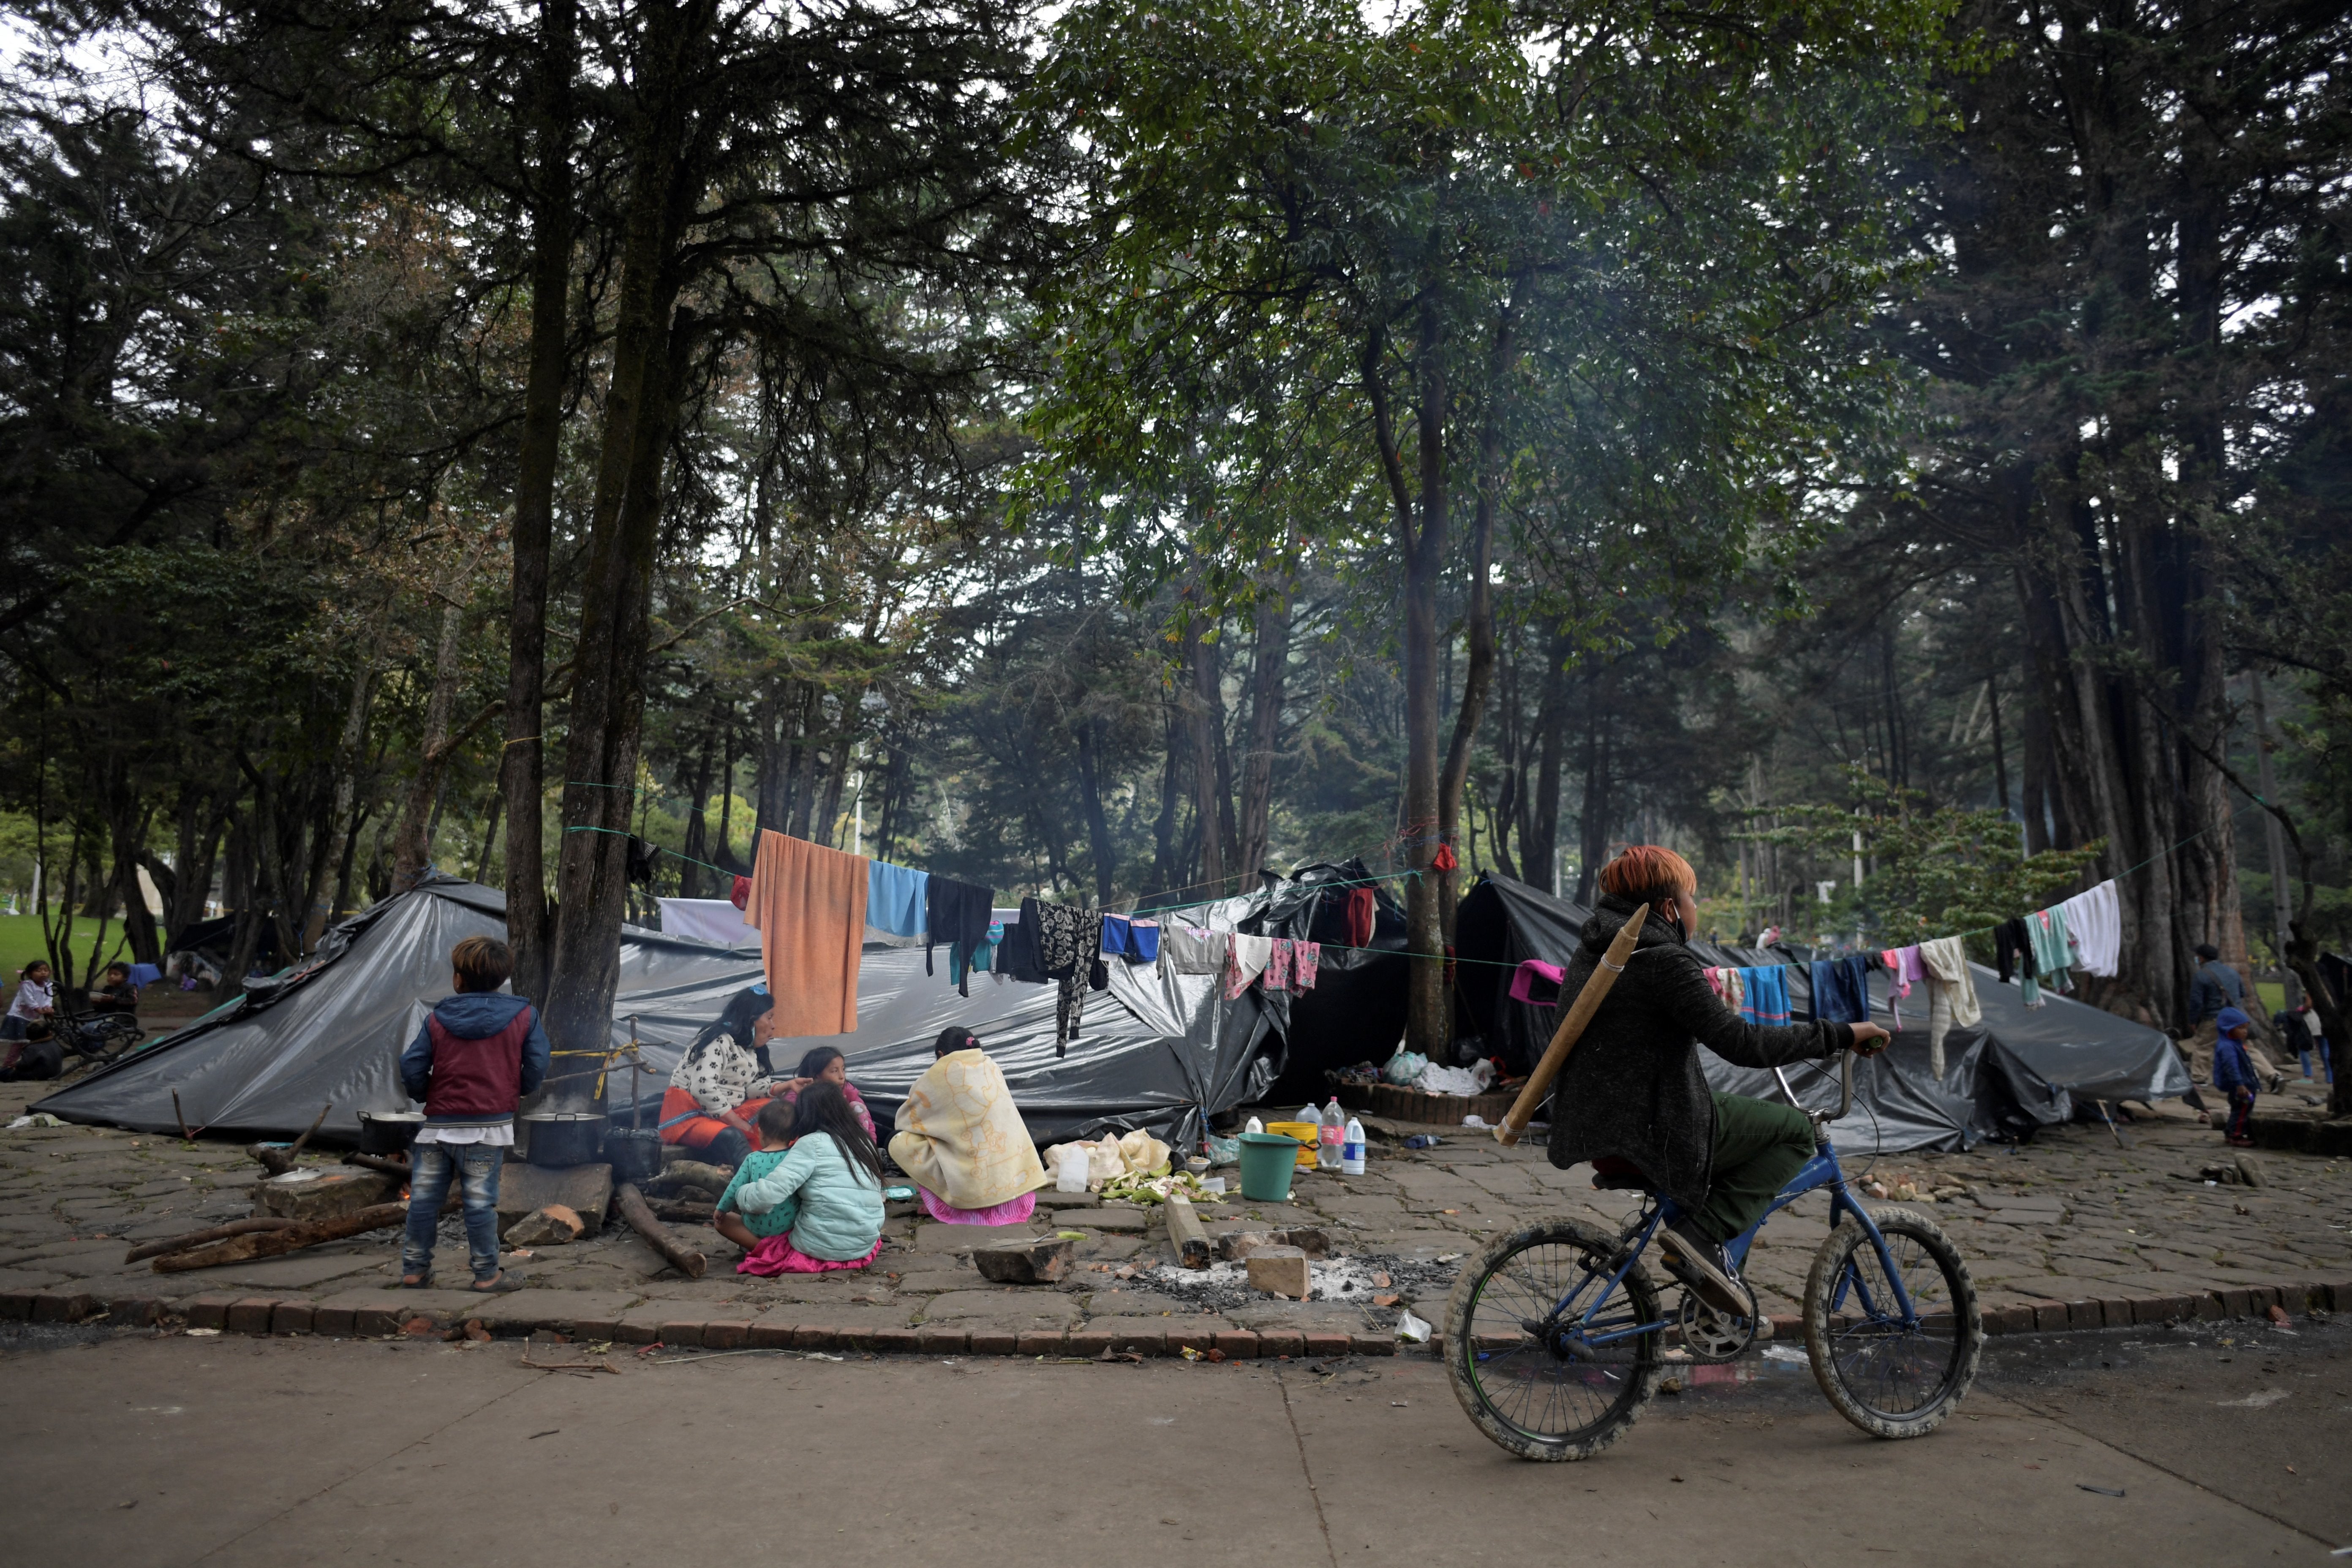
(560, 1138)
(633, 1153)
(388, 1132)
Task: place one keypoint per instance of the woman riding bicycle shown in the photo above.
(1633, 1088)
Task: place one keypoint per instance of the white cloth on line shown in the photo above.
(2096, 925)
(1246, 962)
(496, 1134)
(714, 920)
(1188, 950)
(1951, 994)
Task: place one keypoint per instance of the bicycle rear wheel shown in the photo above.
(1889, 1380)
(1507, 1327)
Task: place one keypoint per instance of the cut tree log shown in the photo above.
(145, 1251)
(1185, 1228)
(632, 1204)
(388, 1165)
(294, 1237)
(683, 1211)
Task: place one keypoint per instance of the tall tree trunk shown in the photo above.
(1478, 672)
(690, 874)
(522, 772)
(1268, 669)
(412, 846)
(1204, 721)
(1090, 787)
(1167, 872)
(1540, 853)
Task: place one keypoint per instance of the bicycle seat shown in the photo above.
(1612, 1174)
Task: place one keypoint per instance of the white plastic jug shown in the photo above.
(1351, 1153)
(1070, 1175)
(1255, 1126)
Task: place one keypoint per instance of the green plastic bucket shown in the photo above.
(1267, 1160)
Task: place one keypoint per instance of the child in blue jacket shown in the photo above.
(2234, 1073)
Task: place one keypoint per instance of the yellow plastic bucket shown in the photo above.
(1308, 1134)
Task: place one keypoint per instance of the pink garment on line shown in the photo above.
(1277, 966)
(1304, 960)
(776, 1255)
(1011, 1211)
(1523, 978)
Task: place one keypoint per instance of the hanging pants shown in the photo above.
(1758, 1147)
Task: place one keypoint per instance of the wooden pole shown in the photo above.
(1571, 1027)
(147, 1249)
(632, 1204)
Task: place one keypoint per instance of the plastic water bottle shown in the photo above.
(1255, 1126)
(1308, 1114)
(1331, 1136)
(1351, 1153)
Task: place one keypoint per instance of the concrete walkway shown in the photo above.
(131, 1450)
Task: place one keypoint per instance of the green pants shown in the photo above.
(1758, 1147)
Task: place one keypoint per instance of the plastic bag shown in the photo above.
(1435, 1080)
(1223, 1151)
(1144, 1154)
(1404, 1066)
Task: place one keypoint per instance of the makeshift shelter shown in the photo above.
(1157, 1050)
(2016, 1070)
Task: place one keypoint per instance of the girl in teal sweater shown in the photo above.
(832, 1176)
(747, 1231)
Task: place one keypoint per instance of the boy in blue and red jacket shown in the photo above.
(2234, 1074)
(477, 1055)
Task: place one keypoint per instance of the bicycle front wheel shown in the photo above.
(1519, 1333)
(1888, 1378)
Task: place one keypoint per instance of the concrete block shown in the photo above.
(1235, 1245)
(1312, 1240)
(1282, 1271)
(1024, 1260)
(250, 1315)
(330, 1194)
(1238, 1344)
(295, 1317)
(1126, 1222)
(525, 1189)
(942, 1339)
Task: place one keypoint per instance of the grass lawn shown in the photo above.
(20, 943)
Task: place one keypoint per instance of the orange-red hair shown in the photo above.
(1644, 869)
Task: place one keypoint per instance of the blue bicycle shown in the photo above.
(1555, 1339)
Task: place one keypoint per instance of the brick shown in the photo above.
(2206, 1307)
(2117, 1314)
(905, 1342)
(16, 1305)
(1788, 1327)
(817, 1337)
(1281, 1341)
(1139, 1341)
(375, 1322)
(1239, 1344)
(1329, 1344)
(943, 1339)
(292, 1318)
(2085, 1315)
(250, 1315)
(1038, 1341)
(63, 1306)
(682, 1332)
(2049, 1317)
(637, 1334)
(994, 1341)
(135, 1311)
(1372, 1344)
(2236, 1303)
(207, 1311)
(768, 1336)
(2260, 1299)
(727, 1336)
(595, 1330)
(2000, 1320)
(2340, 1295)
(1191, 1337)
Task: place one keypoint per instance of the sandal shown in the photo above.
(422, 1283)
(504, 1282)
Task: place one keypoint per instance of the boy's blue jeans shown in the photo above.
(431, 1166)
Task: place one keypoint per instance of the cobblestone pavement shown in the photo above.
(2069, 1231)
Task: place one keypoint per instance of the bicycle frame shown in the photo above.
(1822, 1170)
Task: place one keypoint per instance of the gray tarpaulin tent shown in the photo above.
(1155, 1051)
(2016, 1070)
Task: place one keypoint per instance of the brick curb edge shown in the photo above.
(262, 1315)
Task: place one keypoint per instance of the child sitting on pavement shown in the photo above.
(2234, 1074)
(747, 1231)
(835, 1172)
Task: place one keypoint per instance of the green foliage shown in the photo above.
(1930, 871)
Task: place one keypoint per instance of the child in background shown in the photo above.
(2234, 1074)
(34, 1001)
(775, 1129)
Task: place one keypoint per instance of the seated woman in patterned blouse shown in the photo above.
(711, 1102)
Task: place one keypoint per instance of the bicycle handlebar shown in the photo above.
(1846, 1090)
